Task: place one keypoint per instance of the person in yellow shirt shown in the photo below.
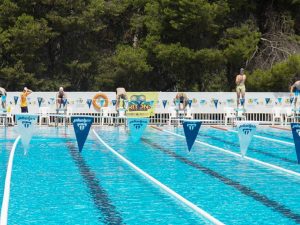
(24, 106)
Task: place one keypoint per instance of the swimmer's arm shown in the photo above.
(237, 80)
(291, 90)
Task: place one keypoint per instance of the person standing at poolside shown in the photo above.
(240, 86)
(295, 88)
(3, 95)
(120, 94)
(61, 98)
(24, 106)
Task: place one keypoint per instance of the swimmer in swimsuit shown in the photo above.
(3, 95)
(295, 90)
(60, 96)
(240, 86)
(182, 99)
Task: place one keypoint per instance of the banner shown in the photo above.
(89, 102)
(246, 131)
(64, 101)
(114, 102)
(40, 100)
(141, 104)
(101, 102)
(279, 100)
(137, 127)
(191, 129)
(267, 100)
(82, 125)
(296, 135)
(25, 128)
(242, 101)
(291, 100)
(164, 102)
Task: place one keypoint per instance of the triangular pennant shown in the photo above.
(40, 100)
(101, 102)
(291, 100)
(279, 100)
(190, 103)
(246, 131)
(26, 125)
(202, 102)
(256, 101)
(126, 104)
(242, 101)
(16, 99)
(89, 102)
(137, 127)
(191, 129)
(216, 101)
(267, 100)
(82, 125)
(164, 102)
(177, 102)
(114, 102)
(296, 135)
(64, 101)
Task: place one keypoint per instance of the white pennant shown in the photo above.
(25, 128)
(246, 131)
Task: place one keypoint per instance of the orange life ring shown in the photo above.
(97, 97)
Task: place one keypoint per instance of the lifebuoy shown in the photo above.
(96, 99)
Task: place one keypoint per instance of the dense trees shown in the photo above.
(162, 45)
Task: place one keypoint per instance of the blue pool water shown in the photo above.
(54, 184)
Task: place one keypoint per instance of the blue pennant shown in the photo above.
(191, 129)
(164, 102)
(101, 101)
(40, 100)
(242, 101)
(16, 99)
(89, 102)
(114, 102)
(291, 100)
(82, 125)
(279, 100)
(64, 101)
(202, 101)
(296, 135)
(216, 101)
(267, 100)
(190, 103)
(137, 127)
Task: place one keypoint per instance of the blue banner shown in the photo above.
(296, 135)
(246, 131)
(216, 101)
(101, 102)
(25, 128)
(267, 100)
(191, 129)
(16, 99)
(82, 125)
(190, 103)
(291, 100)
(164, 102)
(40, 100)
(137, 127)
(89, 102)
(114, 102)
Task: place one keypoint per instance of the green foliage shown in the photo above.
(163, 45)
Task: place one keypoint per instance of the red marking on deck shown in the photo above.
(280, 128)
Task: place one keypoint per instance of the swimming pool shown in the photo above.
(54, 184)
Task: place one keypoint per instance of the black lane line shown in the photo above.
(252, 149)
(98, 193)
(275, 206)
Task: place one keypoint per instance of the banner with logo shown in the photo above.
(141, 104)
(137, 127)
(191, 129)
(25, 128)
(82, 125)
(296, 135)
(246, 131)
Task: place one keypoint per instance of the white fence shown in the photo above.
(205, 105)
